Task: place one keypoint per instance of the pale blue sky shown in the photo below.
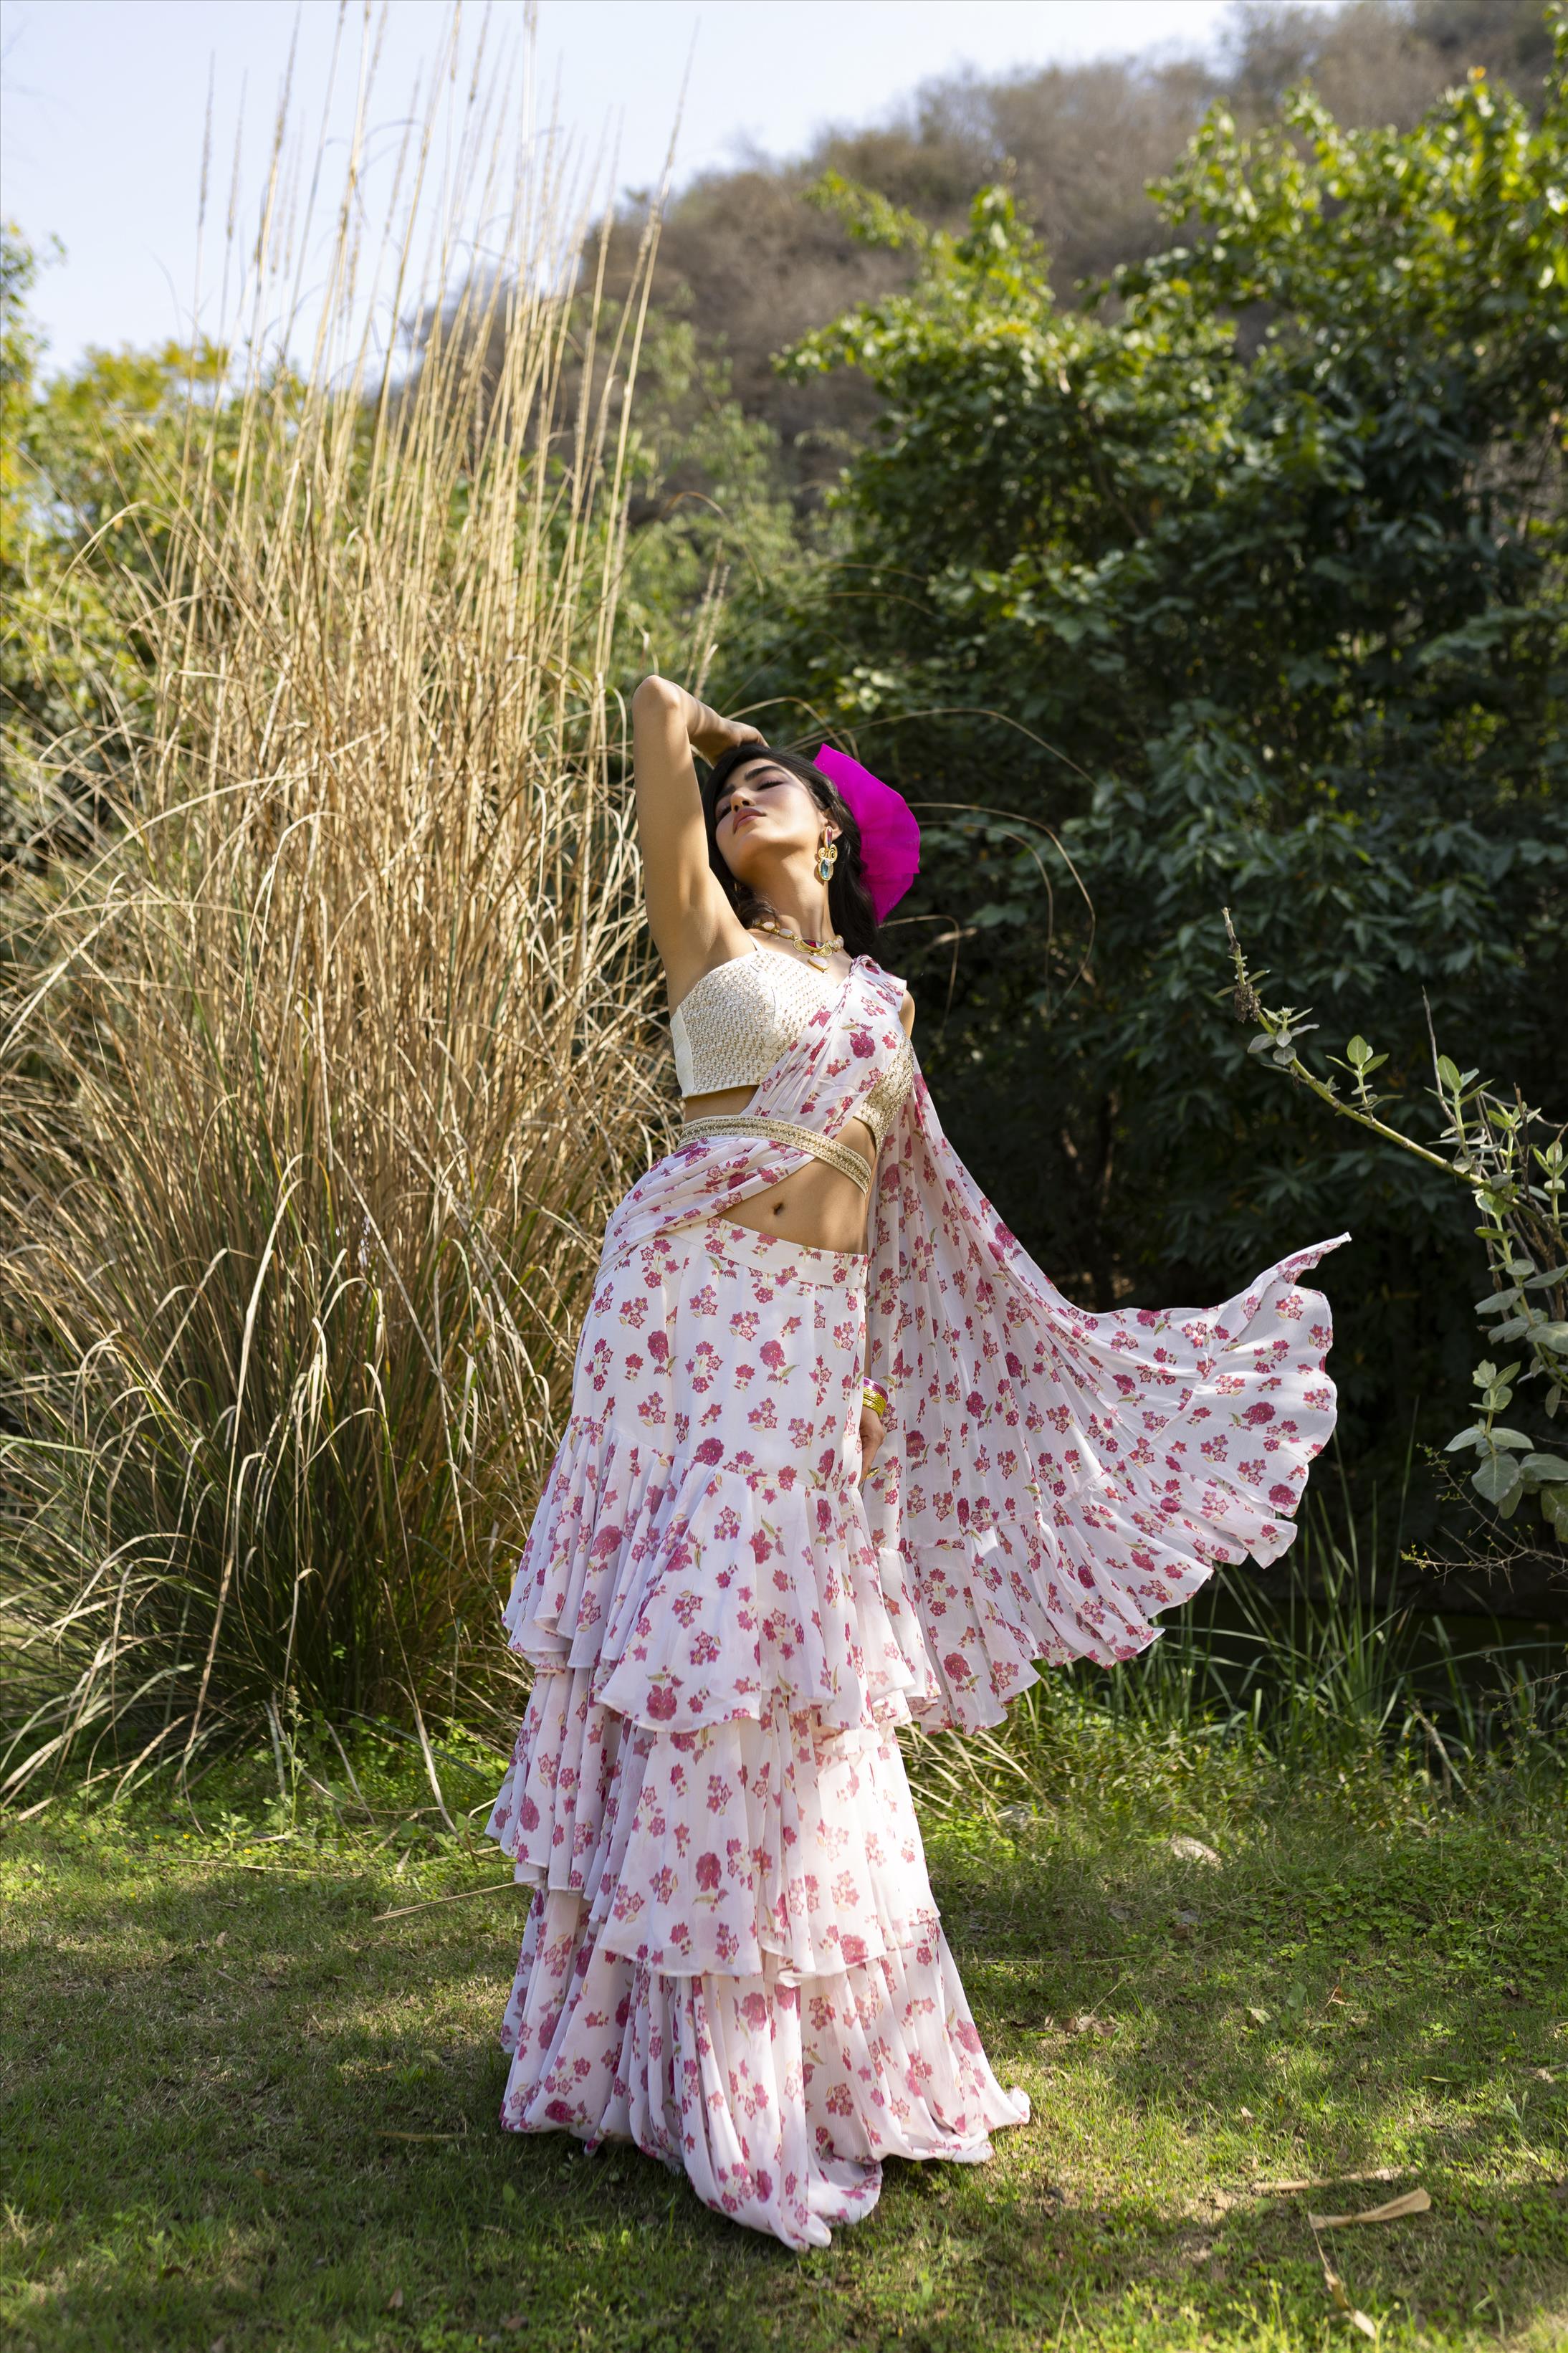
(102, 102)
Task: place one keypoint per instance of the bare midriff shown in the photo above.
(819, 1208)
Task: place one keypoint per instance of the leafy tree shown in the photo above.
(1257, 564)
(86, 465)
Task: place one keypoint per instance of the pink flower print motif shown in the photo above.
(854, 1951)
(957, 1669)
(1255, 1471)
(772, 1356)
(711, 1451)
(765, 2181)
(754, 2010)
(708, 1871)
(703, 1651)
(659, 1347)
(560, 2112)
(1281, 1498)
(1256, 1415)
(726, 1942)
(662, 1702)
(862, 1045)
(719, 1793)
(528, 1814)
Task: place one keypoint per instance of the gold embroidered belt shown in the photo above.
(783, 1131)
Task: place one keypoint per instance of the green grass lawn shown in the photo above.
(241, 2109)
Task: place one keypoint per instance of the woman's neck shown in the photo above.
(799, 904)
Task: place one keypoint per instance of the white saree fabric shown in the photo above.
(733, 1957)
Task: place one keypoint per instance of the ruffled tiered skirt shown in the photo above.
(731, 1957)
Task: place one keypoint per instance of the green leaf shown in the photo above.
(1498, 1302)
(1551, 1335)
(1510, 1438)
(1544, 1466)
(1448, 1072)
(1498, 1480)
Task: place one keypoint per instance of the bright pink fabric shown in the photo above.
(890, 836)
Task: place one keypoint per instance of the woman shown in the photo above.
(839, 1459)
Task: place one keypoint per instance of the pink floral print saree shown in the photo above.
(732, 1956)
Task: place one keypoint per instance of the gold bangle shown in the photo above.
(874, 1399)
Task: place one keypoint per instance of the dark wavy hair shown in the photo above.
(849, 907)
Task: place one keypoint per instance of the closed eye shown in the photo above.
(758, 785)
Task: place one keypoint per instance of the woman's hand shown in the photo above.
(713, 735)
(872, 1432)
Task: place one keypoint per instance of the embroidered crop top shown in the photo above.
(732, 1028)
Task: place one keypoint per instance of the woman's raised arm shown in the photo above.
(686, 910)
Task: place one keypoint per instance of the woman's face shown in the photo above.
(764, 814)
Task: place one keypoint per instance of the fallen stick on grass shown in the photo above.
(401, 1911)
(1415, 2201)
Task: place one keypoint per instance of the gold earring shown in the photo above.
(826, 860)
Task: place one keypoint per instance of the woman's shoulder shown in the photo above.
(890, 985)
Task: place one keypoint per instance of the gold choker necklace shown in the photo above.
(810, 949)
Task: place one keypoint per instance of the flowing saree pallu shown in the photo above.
(732, 1956)
(1050, 1478)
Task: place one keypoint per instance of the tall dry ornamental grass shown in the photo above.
(324, 1076)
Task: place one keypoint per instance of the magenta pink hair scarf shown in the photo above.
(889, 838)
